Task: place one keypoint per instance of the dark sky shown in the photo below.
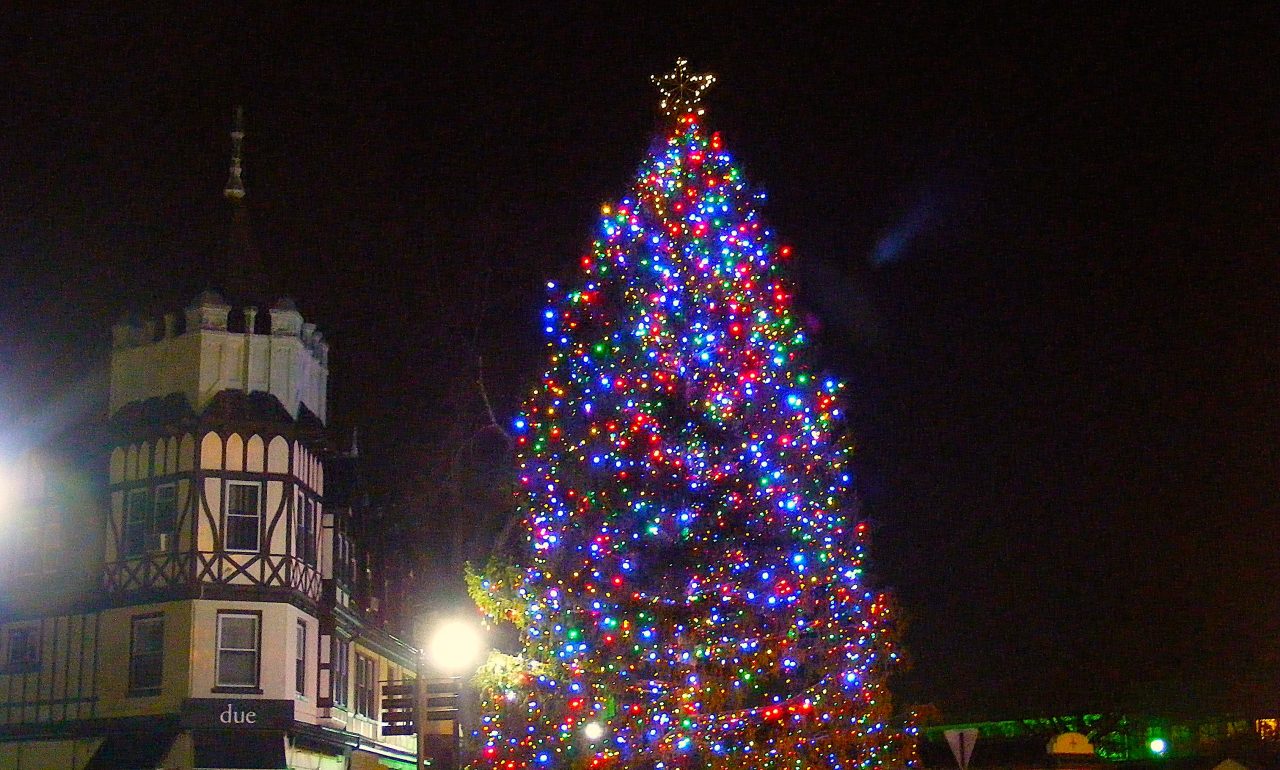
(1040, 245)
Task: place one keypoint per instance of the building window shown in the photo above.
(366, 684)
(137, 514)
(146, 655)
(305, 531)
(339, 668)
(313, 531)
(238, 639)
(166, 511)
(244, 515)
(300, 660)
(343, 562)
(22, 651)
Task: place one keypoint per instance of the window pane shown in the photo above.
(242, 533)
(148, 634)
(300, 663)
(243, 499)
(238, 632)
(300, 529)
(237, 650)
(340, 681)
(238, 668)
(146, 654)
(166, 513)
(242, 517)
(145, 672)
(137, 510)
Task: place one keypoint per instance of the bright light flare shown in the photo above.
(456, 645)
(593, 731)
(8, 492)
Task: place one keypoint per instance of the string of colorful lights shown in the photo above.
(694, 595)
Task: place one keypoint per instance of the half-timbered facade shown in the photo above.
(186, 599)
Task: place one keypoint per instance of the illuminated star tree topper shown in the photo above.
(682, 91)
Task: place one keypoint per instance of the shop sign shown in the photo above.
(236, 713)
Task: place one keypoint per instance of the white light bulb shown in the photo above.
(455, 646)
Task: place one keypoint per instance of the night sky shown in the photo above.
(1040, 246)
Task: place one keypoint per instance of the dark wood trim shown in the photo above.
(272, 520)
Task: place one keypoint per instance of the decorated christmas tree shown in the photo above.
(693, 591)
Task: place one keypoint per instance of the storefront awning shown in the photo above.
(240, 749)
(131, 751)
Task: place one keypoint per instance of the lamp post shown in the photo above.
(454, 647)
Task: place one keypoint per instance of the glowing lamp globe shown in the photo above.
(455, 646)
(1158, 746)
(593, 731)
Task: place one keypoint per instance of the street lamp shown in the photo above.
(454, 647)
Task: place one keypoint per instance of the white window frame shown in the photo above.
(155, 510)
(257, 517)
(256, 650)
(366, 689)
(340, 665)
(142, 522)
(306, 549)
(300, 660)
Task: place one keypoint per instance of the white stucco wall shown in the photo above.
(202, 363)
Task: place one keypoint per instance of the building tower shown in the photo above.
(224, 629)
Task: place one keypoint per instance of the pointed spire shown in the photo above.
(243, 277)
(235, 182)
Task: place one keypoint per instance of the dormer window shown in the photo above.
(244, 516)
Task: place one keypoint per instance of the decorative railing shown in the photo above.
(174, 569)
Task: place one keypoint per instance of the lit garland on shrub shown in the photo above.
(694, 596)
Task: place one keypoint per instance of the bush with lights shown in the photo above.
(693, 592)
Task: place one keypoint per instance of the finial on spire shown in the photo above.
(243, 277)
(681, 91)
(235, 182)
